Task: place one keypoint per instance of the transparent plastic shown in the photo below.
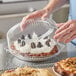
(42, 28)
(55, 71)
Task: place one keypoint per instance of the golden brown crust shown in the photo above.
(66, 67)
(27, 71)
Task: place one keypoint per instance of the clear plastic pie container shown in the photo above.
(42, 28)
(55, 72)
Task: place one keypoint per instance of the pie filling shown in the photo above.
(66, 67)
(34, 46)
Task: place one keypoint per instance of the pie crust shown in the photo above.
(27, 71)
(66, 67)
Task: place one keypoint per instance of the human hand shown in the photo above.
(66, 31)
(37, 14)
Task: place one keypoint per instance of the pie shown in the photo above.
(66, 67)
(27, 71)
(34, 46)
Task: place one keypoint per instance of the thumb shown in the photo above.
(44, 16)
(22, 26)
(59, 24)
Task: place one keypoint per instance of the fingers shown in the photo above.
(72, 27)
(66, 25)
(70, 39)
(23, 22)
(62, 33)
(22, 26)
(44, 16)
(68, 36)
(59, 24)
(34, 15)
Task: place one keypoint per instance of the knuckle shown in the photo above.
(73, 26)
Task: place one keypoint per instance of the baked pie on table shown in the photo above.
(27, 71)
(32, 45)
(66, 67)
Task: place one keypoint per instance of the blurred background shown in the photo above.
(12, 12)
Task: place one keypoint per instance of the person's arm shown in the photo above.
(54, 4)
(43, 13)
